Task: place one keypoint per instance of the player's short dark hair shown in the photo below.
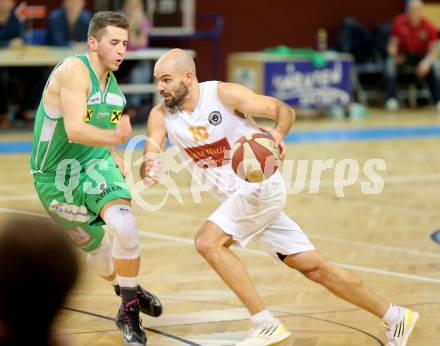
(101, 20)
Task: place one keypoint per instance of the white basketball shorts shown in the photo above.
(256, 212)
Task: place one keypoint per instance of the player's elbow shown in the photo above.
(292, 114)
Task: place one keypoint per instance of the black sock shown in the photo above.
(128, 294)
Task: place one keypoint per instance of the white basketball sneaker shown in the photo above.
(266, 335)
(399, 332)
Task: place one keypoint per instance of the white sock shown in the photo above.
(262, 317)
(392, 315)
(114, 282)
(127, 282)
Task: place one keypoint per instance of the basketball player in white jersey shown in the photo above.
(201, 118)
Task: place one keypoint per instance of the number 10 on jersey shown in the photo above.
(199, 133)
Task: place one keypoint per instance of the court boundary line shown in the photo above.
(192, 343)
(188, 241)
(168, 335)
(346, 326)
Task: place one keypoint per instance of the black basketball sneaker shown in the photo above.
(148, 302)
(130, 324)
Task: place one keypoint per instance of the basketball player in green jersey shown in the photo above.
(75, 166)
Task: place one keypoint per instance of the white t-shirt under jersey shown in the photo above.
(205, 138)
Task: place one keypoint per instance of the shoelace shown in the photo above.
(142, 295)
(128, 308)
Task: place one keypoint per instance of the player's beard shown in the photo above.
(178, 97)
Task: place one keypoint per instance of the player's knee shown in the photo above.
(204, 246)
(122, 222)
(122, 251)
(128, 235)
(317, 272)
(100, 259)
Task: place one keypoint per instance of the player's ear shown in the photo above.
(93, 43)
(188, 78)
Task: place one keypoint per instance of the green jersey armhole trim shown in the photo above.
(48, 110)
(52, 114)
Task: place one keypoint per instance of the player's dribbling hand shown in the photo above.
(123, 129)
(278, 138)
(152, 169)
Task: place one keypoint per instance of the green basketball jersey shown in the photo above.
(51, 144)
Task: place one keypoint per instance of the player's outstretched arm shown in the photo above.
(74, 83)
(154, 146)
(239, 98)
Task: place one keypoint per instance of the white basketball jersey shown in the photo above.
(205, 138)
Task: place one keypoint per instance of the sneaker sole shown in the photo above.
(411, 328)
(280, 338)
(157, 307)
(133, 343)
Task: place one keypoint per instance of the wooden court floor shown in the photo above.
(383, 238)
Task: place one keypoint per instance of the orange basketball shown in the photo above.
(255, 157)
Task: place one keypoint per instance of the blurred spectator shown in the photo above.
(139, 25)
(412, 46)
(11, 29)
(11, 35)
(138, 72)
(38, 267)
(68, 24)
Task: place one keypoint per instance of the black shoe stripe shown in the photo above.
(273, 330)
(264, 331)
(398, 332)
(268, 331)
